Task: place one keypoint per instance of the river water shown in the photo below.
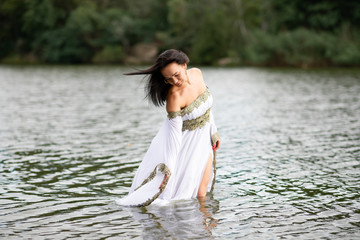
(71, 138)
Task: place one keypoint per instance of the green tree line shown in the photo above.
(226, 32)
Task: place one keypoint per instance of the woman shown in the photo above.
(180, 161)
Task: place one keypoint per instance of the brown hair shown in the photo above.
(156, 88)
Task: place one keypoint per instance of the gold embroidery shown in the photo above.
(199, 122)
(189, 108)
(172, 115)
(214, 138)
(214, 171)
(166, 171)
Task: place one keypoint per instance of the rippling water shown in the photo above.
(72, 137)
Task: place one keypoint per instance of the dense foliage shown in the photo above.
(238, 32)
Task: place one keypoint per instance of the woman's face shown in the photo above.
(174, 74)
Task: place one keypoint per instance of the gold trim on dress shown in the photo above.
(189, 108)
(214, 171)
(214, 138)
(167, 173)
(199, 122)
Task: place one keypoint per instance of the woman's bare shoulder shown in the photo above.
(196, 71)
(173, 101)
(197, 76)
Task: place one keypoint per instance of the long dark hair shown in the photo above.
(156, 89)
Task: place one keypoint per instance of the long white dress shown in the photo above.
(173, 166)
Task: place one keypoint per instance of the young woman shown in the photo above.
(180, 162)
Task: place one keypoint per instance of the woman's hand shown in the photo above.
(216, 145)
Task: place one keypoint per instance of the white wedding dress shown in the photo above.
(173, 166)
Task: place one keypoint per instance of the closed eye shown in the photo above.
(177, 74)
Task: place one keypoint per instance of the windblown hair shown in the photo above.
(156, 89)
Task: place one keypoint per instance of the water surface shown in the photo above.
(71, 138)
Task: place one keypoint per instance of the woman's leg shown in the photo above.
(206, 178)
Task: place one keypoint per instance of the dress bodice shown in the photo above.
(197, 113)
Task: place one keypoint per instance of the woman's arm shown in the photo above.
(215, 138)
(173, 102)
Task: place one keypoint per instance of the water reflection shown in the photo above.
(189, 219)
